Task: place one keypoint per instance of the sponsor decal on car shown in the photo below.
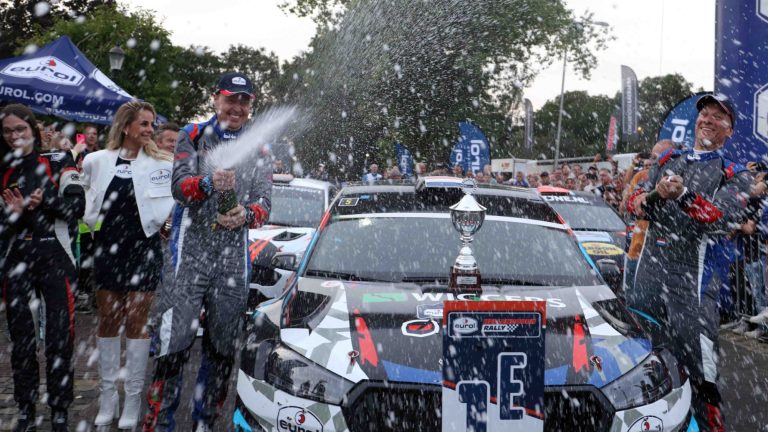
(384, 297)
(429, 311)
(348, 202)
(297, 419)
(647, 423)
(602, 249)
(420, 328)
(565, 198)
(441, 297)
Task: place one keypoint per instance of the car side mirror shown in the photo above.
(285, 261)
(611, 273)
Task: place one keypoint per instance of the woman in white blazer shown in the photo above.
(128, 195)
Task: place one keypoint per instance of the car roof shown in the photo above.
(437, 194)
(289, 180)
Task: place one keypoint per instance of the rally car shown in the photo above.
(297, 206)
(600, 230)
(355, 343)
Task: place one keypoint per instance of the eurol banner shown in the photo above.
(472, 150)
(741, 73)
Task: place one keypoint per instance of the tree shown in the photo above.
(410, 71)
(656, 96)
(584, 127)
(20, 17)
(177, 81)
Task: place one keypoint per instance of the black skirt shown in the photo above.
(121, 265)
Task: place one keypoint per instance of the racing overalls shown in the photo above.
(668, 283)
(210, 271)
(39, 262)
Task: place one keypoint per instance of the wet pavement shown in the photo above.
(744, 383)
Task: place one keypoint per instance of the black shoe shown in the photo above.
(59, 421)
(26, 420)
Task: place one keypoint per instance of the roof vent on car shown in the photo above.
(439, 190)
(282, 178)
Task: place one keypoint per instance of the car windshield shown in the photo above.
(296, 206)
(394, 248)
(589, 217)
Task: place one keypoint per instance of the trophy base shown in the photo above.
(465, 281)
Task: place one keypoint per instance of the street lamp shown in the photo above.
(116, 57)
(562, 91)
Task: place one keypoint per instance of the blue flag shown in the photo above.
(58, 80)
(404, 160)
(472, 151)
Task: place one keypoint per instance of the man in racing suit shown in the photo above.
(689, 198)
(212, 255)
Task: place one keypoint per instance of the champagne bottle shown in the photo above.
(227, 201)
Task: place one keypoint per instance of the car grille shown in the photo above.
(576, 408)
(393, 407)
(397, 407)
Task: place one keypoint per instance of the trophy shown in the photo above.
(467, 217)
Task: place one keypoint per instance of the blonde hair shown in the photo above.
(127, 114)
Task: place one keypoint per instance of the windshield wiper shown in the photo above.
(426, 279)
(506, 281)
(342, 276)
(442, 280)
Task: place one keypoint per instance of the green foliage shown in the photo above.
(585, 124)
(177, 81)
(656, 96)
(410, 71)
(586, 119)
(19, 18)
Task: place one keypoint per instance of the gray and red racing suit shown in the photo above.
(668, 283)
(210, 271)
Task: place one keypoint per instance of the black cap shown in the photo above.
(544, 174)
(720, 100)
(233, 83)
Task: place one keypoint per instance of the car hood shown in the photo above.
(285, 239)
(385, 331)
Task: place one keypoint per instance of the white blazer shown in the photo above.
(151, 185)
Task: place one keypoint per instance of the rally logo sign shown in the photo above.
(297, 419)
(160, 176)
(49, 69)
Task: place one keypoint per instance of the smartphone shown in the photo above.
(79, 138)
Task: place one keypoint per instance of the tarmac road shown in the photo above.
(744, 383)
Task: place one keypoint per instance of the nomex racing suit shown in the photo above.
(668, 283)
(210, 271)
(39, 262)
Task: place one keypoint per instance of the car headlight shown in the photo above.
(299, 376)
(646, 383)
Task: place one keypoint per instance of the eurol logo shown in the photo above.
(465, 325)
(49, 69)
(297, 419)
(160, 176)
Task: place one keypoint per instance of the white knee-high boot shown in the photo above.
(136, 359)
(109, 366)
